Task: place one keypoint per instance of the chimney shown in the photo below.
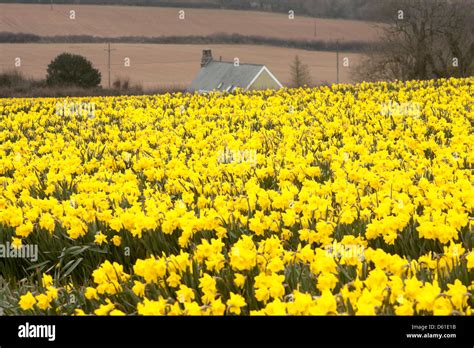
(206, 57)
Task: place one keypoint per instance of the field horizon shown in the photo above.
(106, 20)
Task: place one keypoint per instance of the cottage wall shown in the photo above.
(264, 81)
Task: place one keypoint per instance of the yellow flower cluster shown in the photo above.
(43, 300)
(336, 200)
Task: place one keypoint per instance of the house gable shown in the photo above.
(264, 80)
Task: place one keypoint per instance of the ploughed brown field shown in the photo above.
(174, 65)
(113, 21)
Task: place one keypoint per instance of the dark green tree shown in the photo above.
(72, 70)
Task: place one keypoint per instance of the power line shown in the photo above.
(337, 59)
(108, 60)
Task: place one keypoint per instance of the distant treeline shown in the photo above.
(373, 10)
(312, 45)
(157, 3)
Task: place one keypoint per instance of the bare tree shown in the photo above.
(300, 75)
(427, 39)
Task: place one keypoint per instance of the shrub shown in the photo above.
(72, 69)
(11, 78)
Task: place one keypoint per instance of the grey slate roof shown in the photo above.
(224, 76)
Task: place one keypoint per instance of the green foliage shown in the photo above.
(71, 69)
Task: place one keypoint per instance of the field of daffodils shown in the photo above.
(343, 200)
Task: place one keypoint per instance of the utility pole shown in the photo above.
(108, 59)
(315, 28)
(51, 5)
(337, 61)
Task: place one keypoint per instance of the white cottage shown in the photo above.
(227, 76)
